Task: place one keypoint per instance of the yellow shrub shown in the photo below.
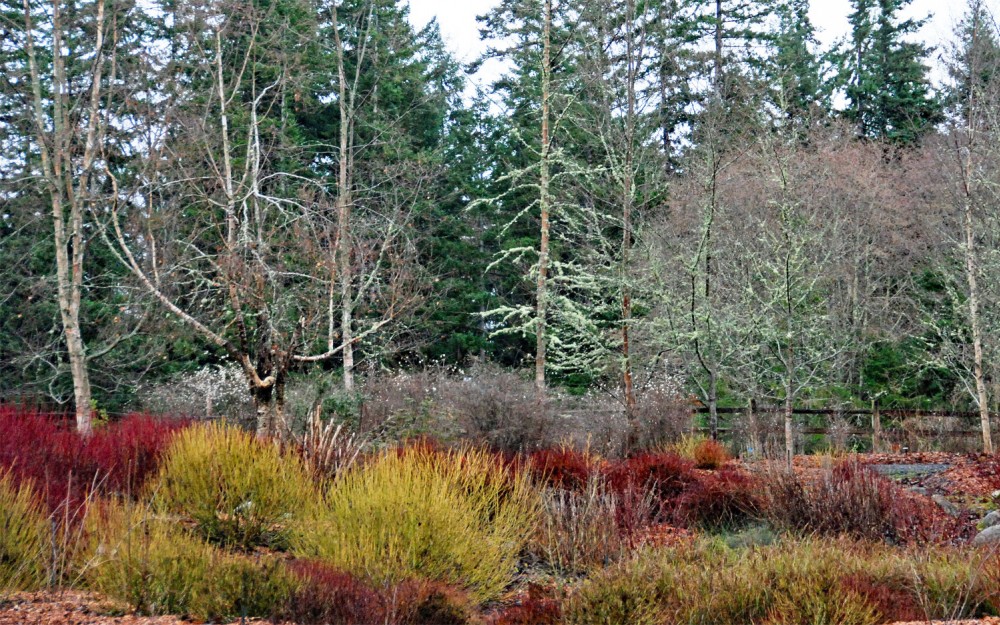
(685, 446)
(450, 517)
(155, 566)
(817, 581)
(241, 492)
(24, 538)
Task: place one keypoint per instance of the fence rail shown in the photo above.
(874, 430)
(900, 413)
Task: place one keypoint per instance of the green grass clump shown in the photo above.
(155, 566)
(240, 491)
(24, 538)
(451, 517)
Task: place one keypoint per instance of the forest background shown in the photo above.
(285, 203)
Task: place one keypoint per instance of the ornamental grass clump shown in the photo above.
(155, 566)
(24, 537)
(580, 531)
(241, 492)
(451, 517)
(819, 581)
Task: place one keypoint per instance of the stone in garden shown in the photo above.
(945, 505)
(989, 536)
(991, 519)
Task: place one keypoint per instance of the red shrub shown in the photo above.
(421, 446)
(64, 466)
(709, 454)
(657, 478)
(722, 499)
(421, 602)
(326, 595)
(852, 499)
(562, 468)
(636, 508)
(893, 604)
(125, 454)
(918, 520)
(664, 475)
(535, 608)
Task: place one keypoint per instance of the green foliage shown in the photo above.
(884, 75)
(242, 492)
(156, 566)
(24, 538)
(795, 70)
(451, 517)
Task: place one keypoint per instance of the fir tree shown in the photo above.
(884, 76)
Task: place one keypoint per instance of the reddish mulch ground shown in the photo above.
(72, 608)
(989, 620)
(969, 475)
(76, 608)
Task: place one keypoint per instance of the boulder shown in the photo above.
(991, 519)
(945, 505)
(989, 536)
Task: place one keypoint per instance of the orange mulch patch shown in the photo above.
(74, 608)
(989, 620)
(968, 475)
(916, 457)
(974, 476)
(663, 535)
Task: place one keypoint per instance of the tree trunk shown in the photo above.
(713, 405)
(971, 270)
(263, 407)
(541, 287)
(67, 184)
(269, 407)
(344, 212)
(718, 49)
(876, 427)
(971, 261)
(81, 378)
(627, 383)
(346, 296)
(789, 426)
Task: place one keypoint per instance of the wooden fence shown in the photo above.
(876, 418)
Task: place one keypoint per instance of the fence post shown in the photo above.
(876, 427)
(756, 451)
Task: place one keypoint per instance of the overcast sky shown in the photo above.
(460, 30)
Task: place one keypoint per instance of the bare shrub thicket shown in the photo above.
(485, 404)
(663, 416)
(489, 405)
(208, 393)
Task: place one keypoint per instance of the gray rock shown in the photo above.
(989, 536)
(991, 519)
(919, 490)
(945, 505)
